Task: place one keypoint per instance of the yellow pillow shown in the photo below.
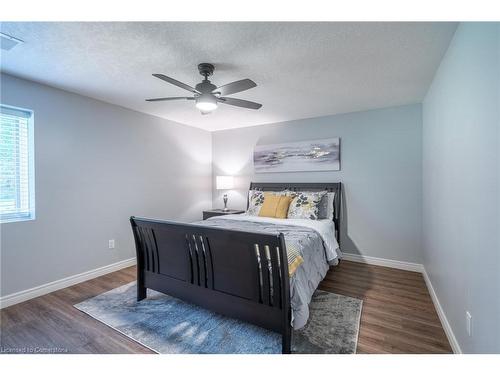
(275, 206)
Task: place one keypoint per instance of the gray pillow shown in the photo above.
(325, 207)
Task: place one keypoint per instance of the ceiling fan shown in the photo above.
(207, 95)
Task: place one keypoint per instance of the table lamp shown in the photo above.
(224, 183)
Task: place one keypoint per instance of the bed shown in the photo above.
(196, 262)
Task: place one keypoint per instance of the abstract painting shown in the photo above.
(315, 155)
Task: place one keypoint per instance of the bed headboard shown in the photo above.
(308, 186)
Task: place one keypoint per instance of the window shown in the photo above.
(17, 174)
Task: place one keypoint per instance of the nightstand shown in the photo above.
(219, 212)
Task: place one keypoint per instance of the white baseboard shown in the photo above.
(407, 266)
(442, 316)
(24, 295)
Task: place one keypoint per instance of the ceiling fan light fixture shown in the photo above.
(206, 95)
(206, 103)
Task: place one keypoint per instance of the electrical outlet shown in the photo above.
(468, 323)
(111, 244)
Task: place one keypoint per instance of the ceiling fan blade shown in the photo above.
(171, 98)
(234, 87)
(240, 103)
(176, 83)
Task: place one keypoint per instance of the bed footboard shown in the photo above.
(242, 275)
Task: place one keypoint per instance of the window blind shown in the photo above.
(16, 165)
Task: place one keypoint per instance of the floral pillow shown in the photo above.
(255, 201)
(305, 205)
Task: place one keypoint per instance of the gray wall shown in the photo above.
(381, 168)
(461, 185)
(96, 164)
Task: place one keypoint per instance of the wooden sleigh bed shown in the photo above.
(239, 274)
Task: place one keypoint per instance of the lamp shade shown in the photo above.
(224, 182)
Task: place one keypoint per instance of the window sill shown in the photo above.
(16, 219)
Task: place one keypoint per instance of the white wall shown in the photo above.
(96, 165)
(461, 185)
(381, 168)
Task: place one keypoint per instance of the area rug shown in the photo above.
(168, 325)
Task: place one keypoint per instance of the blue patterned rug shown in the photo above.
(168, 325)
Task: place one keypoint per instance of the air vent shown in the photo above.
(8, 42)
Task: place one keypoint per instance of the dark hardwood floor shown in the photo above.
(398, 315)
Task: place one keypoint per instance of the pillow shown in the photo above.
(325, 208)
(275, 205)
(255, 200)
(305, 205)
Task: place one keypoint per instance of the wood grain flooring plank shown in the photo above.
(398, 314)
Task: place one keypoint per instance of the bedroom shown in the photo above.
(358, 161)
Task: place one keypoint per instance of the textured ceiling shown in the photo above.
(302, 69)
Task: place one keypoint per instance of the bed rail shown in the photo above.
(243, 275)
